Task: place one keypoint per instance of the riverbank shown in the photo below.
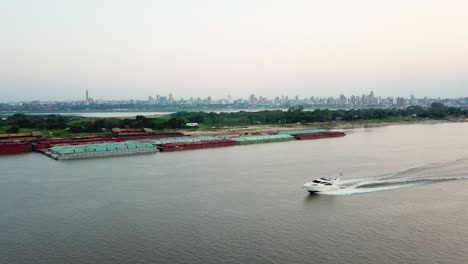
(235, 123)
(261, 129)
(265, 129)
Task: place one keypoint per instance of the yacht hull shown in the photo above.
(315, 189)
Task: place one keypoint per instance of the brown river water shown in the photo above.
(403, 199)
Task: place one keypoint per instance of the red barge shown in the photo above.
(329, 134)
(196, 145)
(15, 148)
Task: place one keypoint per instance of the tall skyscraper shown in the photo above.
(87, 97)
(171, 98)
(371, 100)
(252, 99)
(412, 100)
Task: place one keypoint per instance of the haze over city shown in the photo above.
(54, 50)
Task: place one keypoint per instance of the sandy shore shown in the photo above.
(270, 129)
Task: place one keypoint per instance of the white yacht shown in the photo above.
(321, 185)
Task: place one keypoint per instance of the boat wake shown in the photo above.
(428, 174)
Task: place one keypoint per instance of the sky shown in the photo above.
(117, 49)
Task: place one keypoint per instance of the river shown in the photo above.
(404, 199)
(127, 114)
(117, 114)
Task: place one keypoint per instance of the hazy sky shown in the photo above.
(131, 49)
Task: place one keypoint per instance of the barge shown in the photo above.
(14, 148)
(185, 139)
(329, 134)
(305, 131)
(100, 150)
(43, 145)
(196, 145)
(262, 139)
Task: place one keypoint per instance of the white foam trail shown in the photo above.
(386, 185)
(431, 173)
(350, 191)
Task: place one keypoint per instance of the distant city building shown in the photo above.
(401, 102)
(343, 100)
(252, 99)
(371, 99)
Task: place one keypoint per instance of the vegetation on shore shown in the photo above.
(69, 125)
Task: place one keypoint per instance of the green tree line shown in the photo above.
(211, 119)
(297, 114)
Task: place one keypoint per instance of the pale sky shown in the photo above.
(55, 50)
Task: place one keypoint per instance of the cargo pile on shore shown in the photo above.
(135, 142)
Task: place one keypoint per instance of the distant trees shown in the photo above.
(37, 121)
(141, 119)
(298, 114)
(178, 120)
(12, 129)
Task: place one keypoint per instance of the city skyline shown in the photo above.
(370, 100)
(88, 97)
(77, 94)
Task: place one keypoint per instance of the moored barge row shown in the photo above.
(91, 147)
